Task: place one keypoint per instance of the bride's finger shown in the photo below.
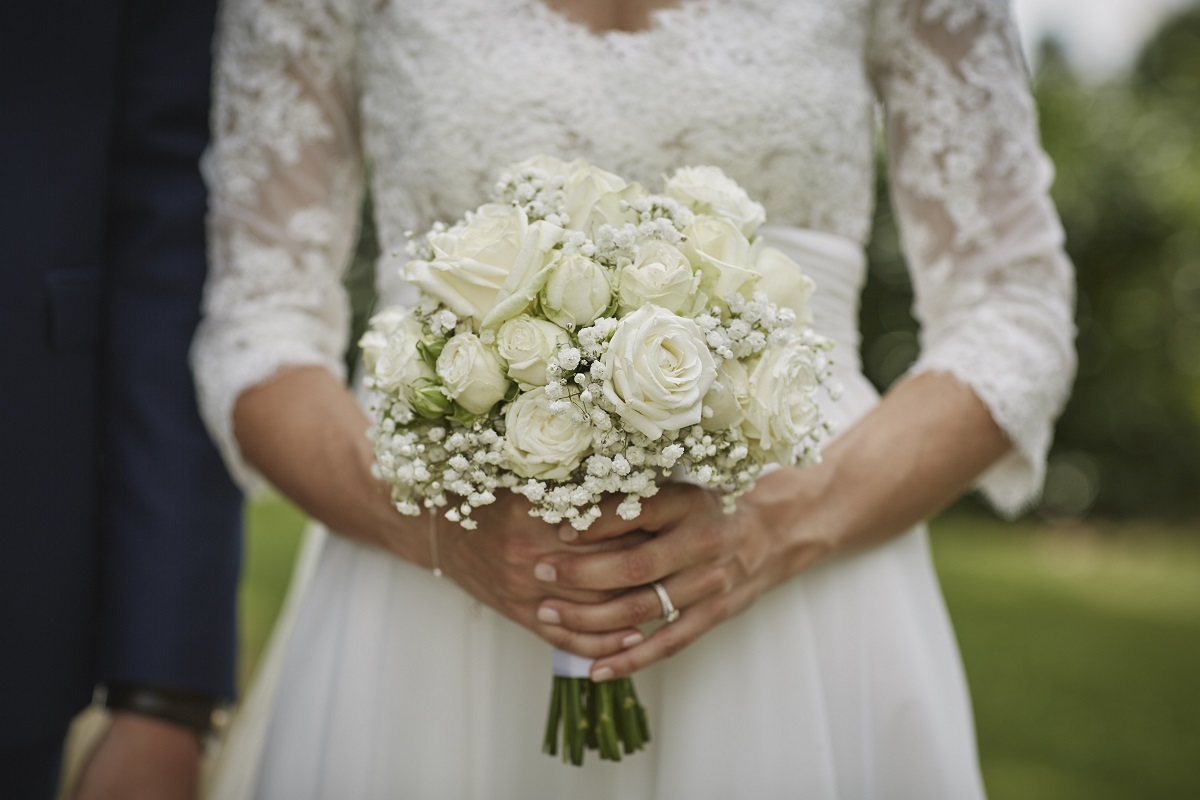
(590, 645)
(677, 549)
(618, 569)
(669, 639)
(663, 643)
(636, 606)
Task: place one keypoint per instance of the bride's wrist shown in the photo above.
(794, 505)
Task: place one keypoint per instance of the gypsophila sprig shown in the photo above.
(577, 337)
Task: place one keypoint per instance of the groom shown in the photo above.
(119, 529)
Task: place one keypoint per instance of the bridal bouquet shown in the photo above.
(580, 336)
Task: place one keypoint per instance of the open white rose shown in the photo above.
(471, 373)
(660, 275)
(542, 445)
(526, 344)
(473, 261)
(722, 254)
(783, 406)
(728, 396)
(390, 353)
(577, 292)
(529, 274)
(708, 190)
(610, 209)
(658, 371)
(585, 187)
(783, 281)
(379, 328)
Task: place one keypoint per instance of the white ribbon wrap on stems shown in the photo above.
(569, 665)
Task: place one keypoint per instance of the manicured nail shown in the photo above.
(602, 674)
(545, 572)
(567, 533)
(630, 640)
(549, 616)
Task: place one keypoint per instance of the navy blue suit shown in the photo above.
(119, 528)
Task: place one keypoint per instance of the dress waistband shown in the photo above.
(837, 266)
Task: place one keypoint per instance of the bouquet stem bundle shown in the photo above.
(595, 716)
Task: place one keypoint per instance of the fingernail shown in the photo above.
(567, 533)
(602, 674)
(549, 616)
(631, 639)
(545, 572)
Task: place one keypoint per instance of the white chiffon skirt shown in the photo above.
(383, 681)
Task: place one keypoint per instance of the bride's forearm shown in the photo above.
(911, 456)
(304, 431)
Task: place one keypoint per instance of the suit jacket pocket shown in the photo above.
(73, 309)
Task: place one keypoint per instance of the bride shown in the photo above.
(813, 657)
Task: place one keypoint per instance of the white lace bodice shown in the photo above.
(436, 95)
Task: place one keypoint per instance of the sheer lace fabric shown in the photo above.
(436, 95)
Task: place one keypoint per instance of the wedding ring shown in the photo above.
(670, 612)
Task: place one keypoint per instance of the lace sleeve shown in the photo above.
(995, 291)
(285, 178)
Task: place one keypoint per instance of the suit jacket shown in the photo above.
(119, 528)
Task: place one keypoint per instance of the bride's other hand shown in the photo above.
(920, 448)
(495, 565)
(712, 565)
(317, 453)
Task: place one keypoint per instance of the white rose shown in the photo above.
(783, 407)
(722, 254)
(528, 275)
(610, 209)
(542, 445)
(783, 281)
(585, 186)
(390, 353)
(658, 371)
(577, 292)
(472, 261)
(662, 276)
(471, 373)
(552, 166)
(527, 344)
(728, 397)
(381, 326)
(708, 190)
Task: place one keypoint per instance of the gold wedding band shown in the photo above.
(670, 612)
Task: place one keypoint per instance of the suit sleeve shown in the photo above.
(171, 514)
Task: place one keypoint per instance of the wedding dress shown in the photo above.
(384, 681)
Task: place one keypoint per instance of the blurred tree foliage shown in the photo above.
(360, 283)
(1128, 189)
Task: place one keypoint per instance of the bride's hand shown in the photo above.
(495, 564)
(713, 565)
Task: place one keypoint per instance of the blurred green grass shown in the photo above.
(1081, 643)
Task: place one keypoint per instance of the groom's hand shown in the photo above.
(139, 758)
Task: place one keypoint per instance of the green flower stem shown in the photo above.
(575, 724)
(553, 719)
(631, 733)
(605, 717)
(606, 726)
